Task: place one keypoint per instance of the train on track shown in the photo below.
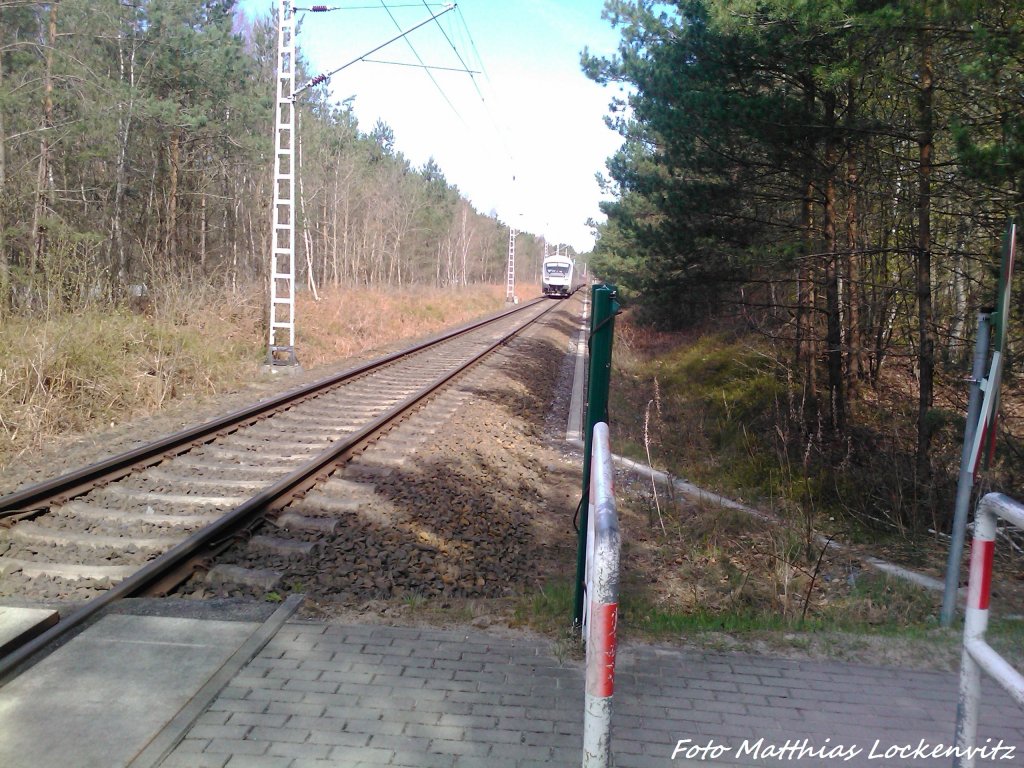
(558, 276)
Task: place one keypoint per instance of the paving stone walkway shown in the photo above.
(323, 695)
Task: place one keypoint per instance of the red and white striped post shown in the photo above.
(978, 655)
(602, 603)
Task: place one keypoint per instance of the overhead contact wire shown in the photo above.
(457, 54)
(502, 137)
(423, 64)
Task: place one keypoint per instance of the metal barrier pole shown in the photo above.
(966, 480)
(602, 330)
(978, 656)
(975, 624)
(602, 603)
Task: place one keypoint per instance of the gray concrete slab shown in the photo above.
(15, 622)
(322, 695)
(145, 691)
(98, 700)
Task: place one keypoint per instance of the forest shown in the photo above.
(136, 149)
(834, 175)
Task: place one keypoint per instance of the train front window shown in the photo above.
(556, 270)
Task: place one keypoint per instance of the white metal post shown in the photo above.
(601, 603)
(281, 349)
(978, 656)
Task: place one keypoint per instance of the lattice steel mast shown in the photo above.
(281, 350)
(510, 278)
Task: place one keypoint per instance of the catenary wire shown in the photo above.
(423, 64)
(456, 50)
(502, 137)
(419, 66)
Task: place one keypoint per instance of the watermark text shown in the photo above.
(804, 749)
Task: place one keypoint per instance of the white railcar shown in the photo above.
(557, 276)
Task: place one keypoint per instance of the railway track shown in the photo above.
(141, 522)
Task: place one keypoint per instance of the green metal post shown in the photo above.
(602, 331)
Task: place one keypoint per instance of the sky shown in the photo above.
(523, 137)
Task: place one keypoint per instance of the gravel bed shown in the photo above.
(481, 509)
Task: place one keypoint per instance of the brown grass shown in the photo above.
(350, 321)
(724, 424)
(83, 370)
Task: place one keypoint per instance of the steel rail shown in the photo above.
(81, 480)
(21, 658)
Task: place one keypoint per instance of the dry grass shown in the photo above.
(716, 566)
(83, 370)
(75, 372)
(725, 423)
(350, 321)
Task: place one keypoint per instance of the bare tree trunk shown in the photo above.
(450, 275)
(958, 330)
(307, 239)
(202, 230)
(346, 241)
(122, 267)
(326, 246)
(925, 310)
(854, 341)
(374, 268)
(806, 299)
(833, 320)
(171, 226)
(464, 247)
(307, 236)
(42, 205)
(806, 347)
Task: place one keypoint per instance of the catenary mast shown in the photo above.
(281, 349)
